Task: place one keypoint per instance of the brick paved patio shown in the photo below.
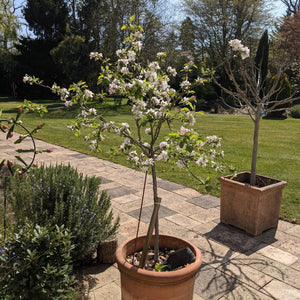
(235, 264)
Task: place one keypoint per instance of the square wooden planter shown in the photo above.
(251, 208)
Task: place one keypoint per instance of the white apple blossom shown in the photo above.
(88, 93)
(120, 52)
(64, 94)
(163, 156)
(191, 118)
(161, 54)
(93, 111)
(96, 55)
(126, 142)
(68, 103)
(148, 131)
(202, 161)
(131, 55)
(184, 131)
(137, 46)
(154, 65)
(84, 113)
(185, 100)
(237, 45)
(245, 53)
(163, 145)
(199, 80)
(93, 144)
(172, 71)
(180, 164)
(185, 84)
(137, 34)
(26, 78)
(124, 70)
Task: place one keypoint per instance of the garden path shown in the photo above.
(235, 264)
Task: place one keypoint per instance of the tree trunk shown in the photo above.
(153, 223)
(155, 199)
(255, 147)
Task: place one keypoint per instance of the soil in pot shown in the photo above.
(168, 260)
(261, 181)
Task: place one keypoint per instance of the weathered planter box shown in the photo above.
(251, 208)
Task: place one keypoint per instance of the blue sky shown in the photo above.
(277, 7)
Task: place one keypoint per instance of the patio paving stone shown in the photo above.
(147, 213)
(280, 290)
(205, 201)
(245, 292)
(212, 284)
(235, 264)
(279, 255)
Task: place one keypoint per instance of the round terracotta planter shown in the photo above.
(141, 284)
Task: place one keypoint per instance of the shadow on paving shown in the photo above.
(237, 273)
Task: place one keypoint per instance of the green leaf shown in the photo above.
(162, 268)
(2, 163)
(11, 129)
(21, 160)
(131, 19)
(201, 113)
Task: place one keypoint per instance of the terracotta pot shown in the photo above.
(251, 208)
(142, 284)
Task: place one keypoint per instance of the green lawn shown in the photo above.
(278, 157)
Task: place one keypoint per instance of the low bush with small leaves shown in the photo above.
(59, 195)
(35, 263)
(295, 112)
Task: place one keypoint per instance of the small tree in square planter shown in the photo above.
(250, 201)
(153, 108)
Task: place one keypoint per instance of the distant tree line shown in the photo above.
(64, 32)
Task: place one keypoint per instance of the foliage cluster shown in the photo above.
(59, 195)
(35, 263)
(295, 112)
(153, 101)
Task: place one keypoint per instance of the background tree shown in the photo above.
(187, 35)
(95, 26)
(287, 47)
(218, 22)
(292, 6)
(47, 19)
(9, 27)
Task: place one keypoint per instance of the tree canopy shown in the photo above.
(217, 22)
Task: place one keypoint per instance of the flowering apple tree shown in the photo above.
(153, 106)
(254, 92)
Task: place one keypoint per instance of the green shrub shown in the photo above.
(285, 92)
(35, 263)
(60, 195)
(295, 112)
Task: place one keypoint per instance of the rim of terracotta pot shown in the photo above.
(277, 182)
(160, 277)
